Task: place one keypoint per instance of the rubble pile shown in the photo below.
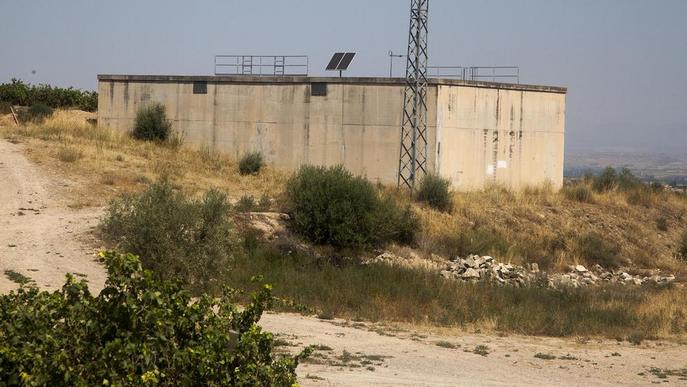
(484, 268)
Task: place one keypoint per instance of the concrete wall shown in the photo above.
(507, 137)
(357, 123)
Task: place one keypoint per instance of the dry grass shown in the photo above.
(543, 226)
(534, 225)
(104, 162)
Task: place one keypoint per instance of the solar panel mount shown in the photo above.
(340, 61)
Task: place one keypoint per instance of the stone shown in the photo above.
(488, 258)
(625, 276)
(580, 269)
(470, 262)
(470, 273)
(534, 268)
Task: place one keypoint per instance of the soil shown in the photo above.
(43, 239)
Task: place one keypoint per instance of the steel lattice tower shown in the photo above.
(414, 150)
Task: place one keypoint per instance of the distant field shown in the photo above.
(666, 168)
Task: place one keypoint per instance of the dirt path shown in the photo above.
(40, 238)
(383, 356)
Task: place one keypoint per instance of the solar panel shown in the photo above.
(336, 59)
(346, 61)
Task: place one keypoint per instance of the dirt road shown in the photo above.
(42, 239)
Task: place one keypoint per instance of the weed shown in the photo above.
(662, 224)
(481, 350)
(544, 356)
(282, 343)
(596, 250)
(377, 292)
(251, 163)
(245, 204)
(5, 107)
(476, 239)
(636, 338)
(579, 192)
(68, 154)
(17, 278)
(682, 247)
(321, 347)
(151, 123)
(435, 191)
(36, 113)
(606, 181)
(567, 357)
(446, 344)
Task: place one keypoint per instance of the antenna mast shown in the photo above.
(413, 158)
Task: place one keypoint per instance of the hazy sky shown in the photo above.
(624, 61)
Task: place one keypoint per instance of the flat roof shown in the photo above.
(333, 80)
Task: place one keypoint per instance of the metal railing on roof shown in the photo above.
(476, 73)
(262, 65)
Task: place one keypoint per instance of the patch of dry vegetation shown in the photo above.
(104, 162)
(581, 224)
(556, 229)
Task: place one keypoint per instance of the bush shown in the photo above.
(36, 113)
(5, 107)
(251, 163)
(174, 236)
(627, 180)
(594, 249)
(435, 191)
(579, 192)
(682, 247)
(330, 205)
(662, 224)
(606, 181)
(20, 93)
(69, 154)
(137, 331)
(152, 124)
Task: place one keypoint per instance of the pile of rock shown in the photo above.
(484, 268)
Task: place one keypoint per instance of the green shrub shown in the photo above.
(19, 93)
(435, 191)
(627, 180)
(606, 181)
(595, 250)
(5, 107)
(579, 192)
(151, 123)
(682, 247)
(248, 203)
(251, 163)
(137, 331)
(176, 237)
(36, 113)
(330, 205)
